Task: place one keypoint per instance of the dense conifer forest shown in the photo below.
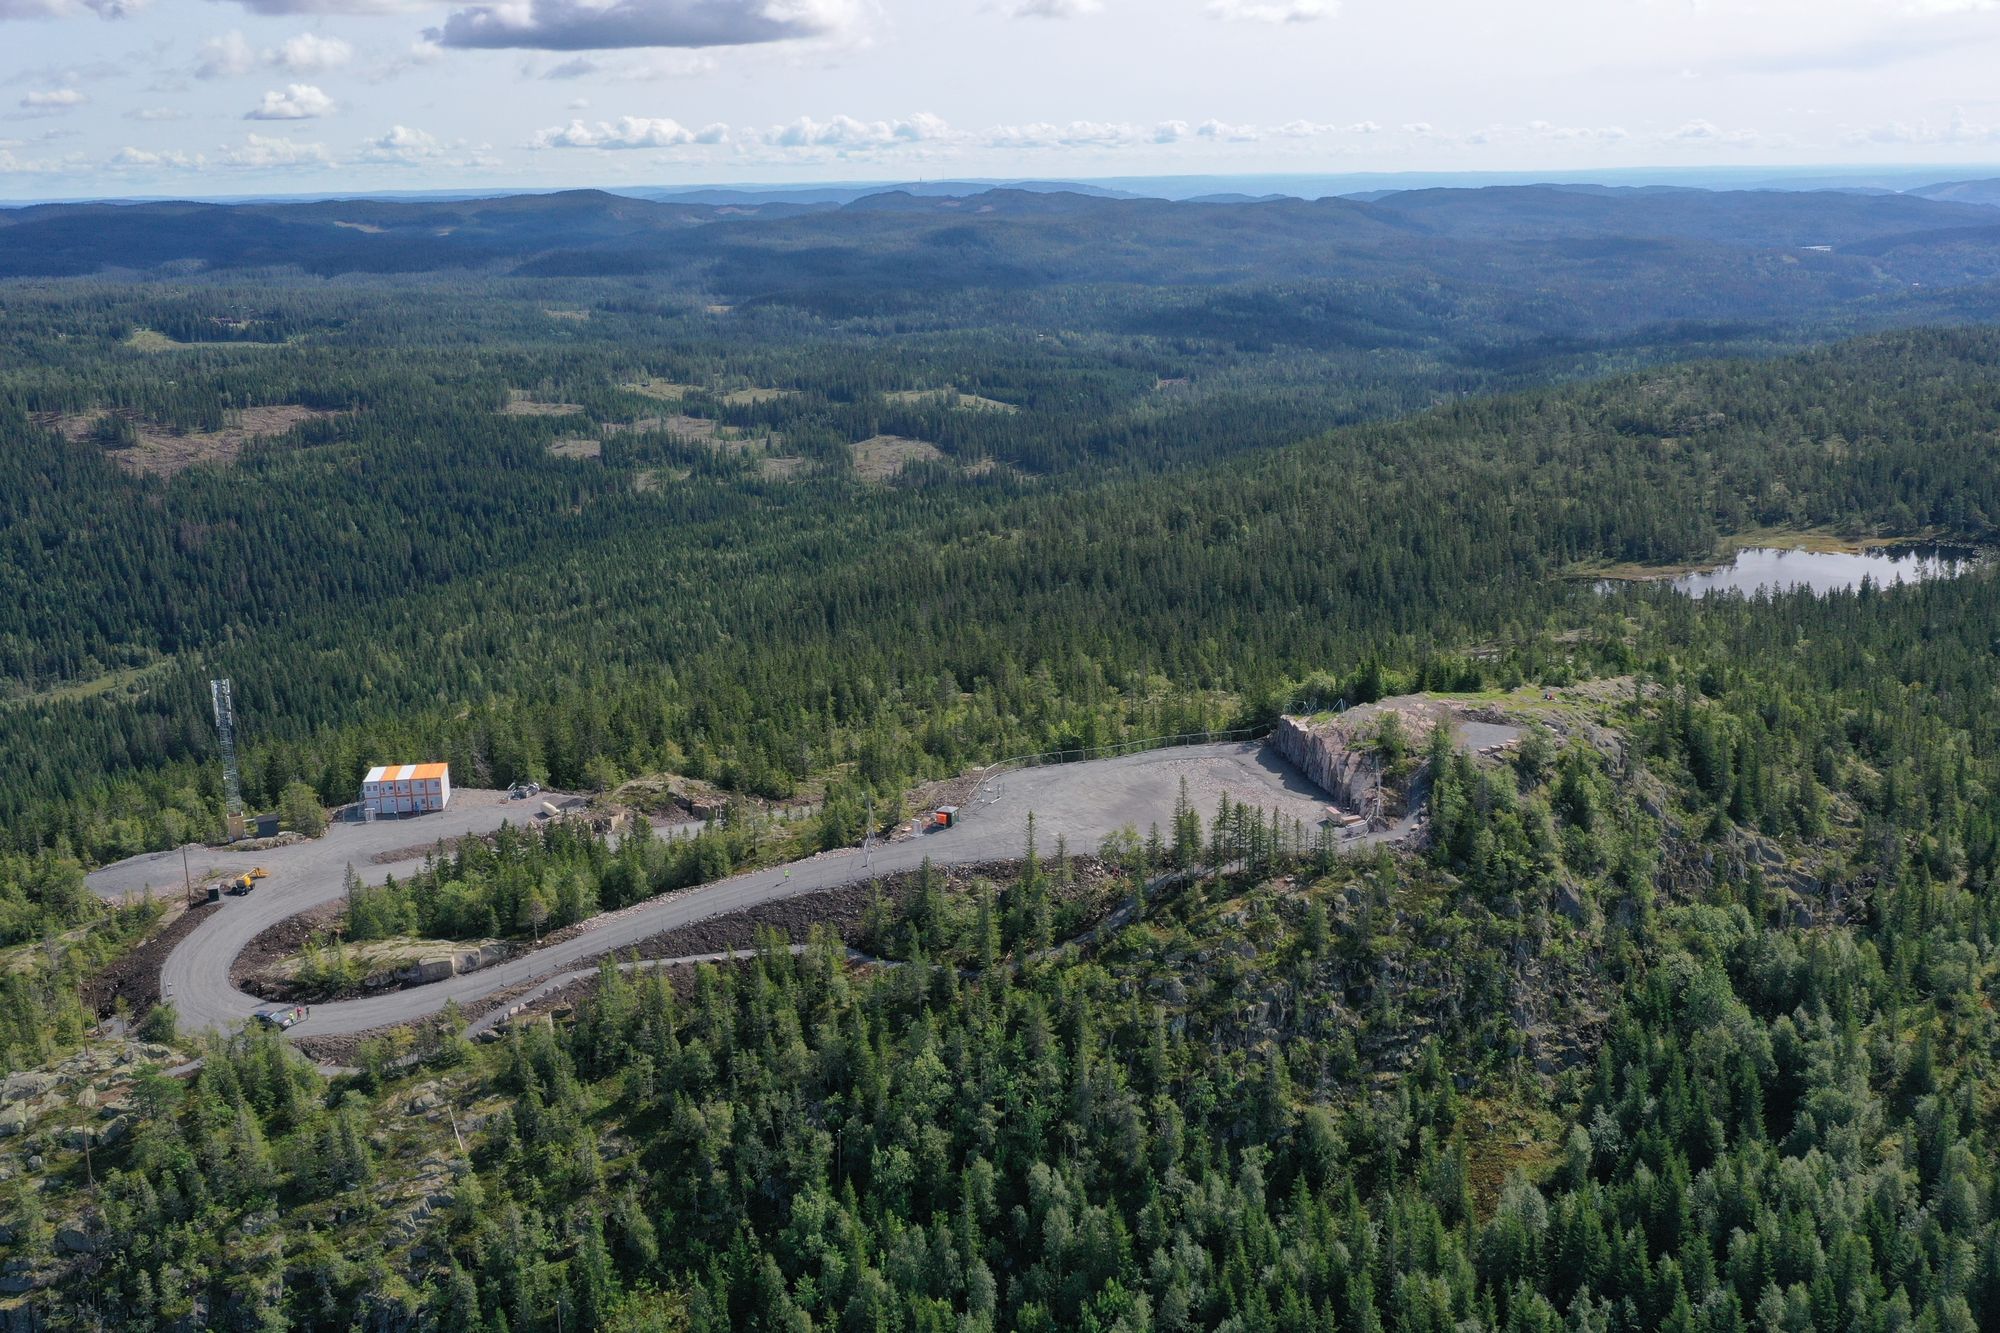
(1681, 1016)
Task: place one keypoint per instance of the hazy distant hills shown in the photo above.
(533, 230)
(1963, 192)
(1520, 254)
(1742, 217)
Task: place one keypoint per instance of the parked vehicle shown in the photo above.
(284, 1016)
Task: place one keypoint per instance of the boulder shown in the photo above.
(13, 1120)
(1569, 902)
(25, 1085)
(427, 970)
(69, 1240)
(115, 1130)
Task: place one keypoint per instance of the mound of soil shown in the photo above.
(281, 941)
(135, 978)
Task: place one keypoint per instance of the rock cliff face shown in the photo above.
(1341, 753)
(1322, 754)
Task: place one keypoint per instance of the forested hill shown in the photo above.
(1681, 1015)
(1005, 236)
(669, 603)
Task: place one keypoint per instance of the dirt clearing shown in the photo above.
(950, 397)
(143, 446)
(883, 457)
(521, 403)
(782, 469)
(751, 397)
(577, 448)
(653, 478)
(665, 391)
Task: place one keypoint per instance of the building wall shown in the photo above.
(410, 796)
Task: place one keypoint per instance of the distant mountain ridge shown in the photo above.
(880, 242)
(1985, 192)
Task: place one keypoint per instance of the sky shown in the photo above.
(106, 98)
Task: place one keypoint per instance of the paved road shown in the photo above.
(1080, 802)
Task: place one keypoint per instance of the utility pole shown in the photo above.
(868, 833)
(186, 877)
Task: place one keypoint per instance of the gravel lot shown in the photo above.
(1081, 802)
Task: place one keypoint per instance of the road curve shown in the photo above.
(1078, 803)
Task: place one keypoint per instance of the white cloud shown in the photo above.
(272, 152)
(1957, 130)
(287, 8)
(231, 55)
(310, 53)
(127, 159)
(596, 25)
(299, 101)
(1705, 133)
(60, 9)
(53, 99)
(651, 67)
(406, 147)
(1312, 129)
(847, 132)
(582, 67)
(629, 132)
(1054, 9)
(1223, 130)
(225, 57)
(1272, 11)
(1076, 134)
(28, 166)
(1577, 133)
(405, 144)
(156, 113)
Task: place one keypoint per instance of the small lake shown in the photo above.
(1777, 570)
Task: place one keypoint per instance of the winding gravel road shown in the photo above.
(1081, 802)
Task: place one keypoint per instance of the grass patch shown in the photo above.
(1503, 1137)
(883, 457)
(521, 403)
(751, 397)
(153, 341)
(130, 680)
(666, 391)
(964, 402)
(655, 478)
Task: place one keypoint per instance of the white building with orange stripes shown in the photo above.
(405, 789)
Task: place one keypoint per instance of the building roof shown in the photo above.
(406, 772)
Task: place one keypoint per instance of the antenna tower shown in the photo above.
(232, 780)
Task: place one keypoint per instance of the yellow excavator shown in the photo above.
(242, 884)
